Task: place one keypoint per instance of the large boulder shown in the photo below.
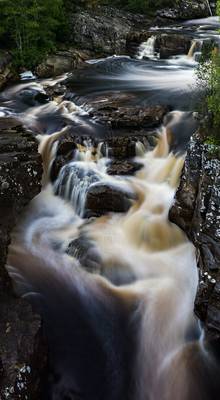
(186, 9)
(22, 353)
(103, 197)
(168, 45)
(104, 30)
(197, 211)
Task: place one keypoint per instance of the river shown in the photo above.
(115, 289)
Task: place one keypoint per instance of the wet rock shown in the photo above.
(186, 9)
(62, 61)
(197, 211)
(32, 97)
(119, 147)
(22, 353)
(91, 195)
(103, 198)
(129, 117)
(123, 167)
(84, 250)
(172, 45)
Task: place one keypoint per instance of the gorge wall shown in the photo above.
(22, 353)
(197, 211)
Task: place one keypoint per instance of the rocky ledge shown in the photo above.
(22, 353)
(197, 211)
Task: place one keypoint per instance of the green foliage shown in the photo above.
(208, 75)
(213, 97)
(212, 141)
(30, 26)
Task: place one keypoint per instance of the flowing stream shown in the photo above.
(118, 308)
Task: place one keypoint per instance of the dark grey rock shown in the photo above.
(103, 198)
(186, 9)
(197, 211)
(168, 45)
(128, 117)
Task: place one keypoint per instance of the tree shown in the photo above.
(31, 27)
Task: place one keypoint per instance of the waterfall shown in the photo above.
(74, 181)
(192, 49)
(195, 49)
(147, 49)
(134, 313)
(115, 289)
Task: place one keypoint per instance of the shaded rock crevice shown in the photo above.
(197, 211)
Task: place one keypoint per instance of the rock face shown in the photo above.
(105, 30)
(197, 212)
(5, 68)
(22, 356)
(186, 9)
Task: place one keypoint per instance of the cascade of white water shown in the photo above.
(141, 247)
(146, 272)
(147, 49)
(195, 49)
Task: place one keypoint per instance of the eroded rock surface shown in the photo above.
(197, 212)
(22, 354)
(129, 117)
(105, 30)
(186, 9)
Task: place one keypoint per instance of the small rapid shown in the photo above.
(128, 307)
(95, 253)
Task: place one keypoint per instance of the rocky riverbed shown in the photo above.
(120, 127)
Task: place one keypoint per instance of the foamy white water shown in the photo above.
(147, 269)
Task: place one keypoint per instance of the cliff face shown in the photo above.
(22, 357)
(197, 211)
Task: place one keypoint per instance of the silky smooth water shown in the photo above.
(118, 313)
